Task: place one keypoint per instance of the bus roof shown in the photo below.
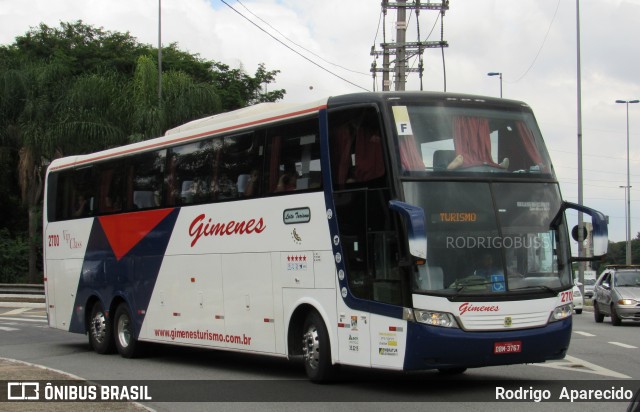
(264, 113)
(236, 120)
(243, 113)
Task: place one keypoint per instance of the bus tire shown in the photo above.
(100, 330)
(316, 349)
(124, 333)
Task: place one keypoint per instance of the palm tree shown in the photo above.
(65, 115)
(183, 99)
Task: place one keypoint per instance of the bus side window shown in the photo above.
(111, 188)
(191, 177)
(79, 193)
(65, 196)
(294, 157)
(239, 166)
(369, 161)
(357, 147)
(145, 186)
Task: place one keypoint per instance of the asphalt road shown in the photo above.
(239, 382)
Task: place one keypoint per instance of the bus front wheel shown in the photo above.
(126, 343)
(316, 349)
(100, 331)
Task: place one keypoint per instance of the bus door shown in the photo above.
(368, 229)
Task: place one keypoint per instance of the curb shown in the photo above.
(16, 370)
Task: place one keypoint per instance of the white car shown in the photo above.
(578, 301)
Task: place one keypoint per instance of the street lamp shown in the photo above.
(625, 211)
(497, 74)
(628, 187)
(159, 53)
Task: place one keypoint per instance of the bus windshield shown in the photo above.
(475, 247)
(436, 139)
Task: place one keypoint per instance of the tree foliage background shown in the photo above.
(617, 252)
(77, 89)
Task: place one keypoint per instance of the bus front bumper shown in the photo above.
(432, 347)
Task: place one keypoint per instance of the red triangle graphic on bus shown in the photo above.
(127, 230)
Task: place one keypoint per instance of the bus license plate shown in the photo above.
(507, 347)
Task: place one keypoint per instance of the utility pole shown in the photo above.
(401, 37)
(159, 52)
(401, 49)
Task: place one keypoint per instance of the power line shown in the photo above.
(292, 49)
(300, 46)
(595, 171)
(542, 45)
(591, 155)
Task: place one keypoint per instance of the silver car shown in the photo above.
(617, 294)
(589, 285)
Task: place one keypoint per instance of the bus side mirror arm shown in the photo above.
(416, 227)
(599, 231)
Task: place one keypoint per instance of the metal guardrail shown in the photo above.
(15, 295)
(21, 289)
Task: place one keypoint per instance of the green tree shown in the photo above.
(11, 91)
(237, 89)
(78, 89)
(617, 252)
(183, 99)
(13, 257)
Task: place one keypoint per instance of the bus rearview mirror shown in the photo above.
(416, 227)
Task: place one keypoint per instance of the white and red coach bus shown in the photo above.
(400, 231)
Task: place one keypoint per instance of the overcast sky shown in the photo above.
(532, 42)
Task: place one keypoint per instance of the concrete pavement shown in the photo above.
(12, 370)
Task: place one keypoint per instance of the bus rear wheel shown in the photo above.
(316, 349)
(126, 343)
(100, 330)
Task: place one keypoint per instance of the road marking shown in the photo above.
(571, 363)
(15, 312)
(624, 345)
(8, 329)
(579, 332)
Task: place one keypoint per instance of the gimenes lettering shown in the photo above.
(203, 226)
(468, 307)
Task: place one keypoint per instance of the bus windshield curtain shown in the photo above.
(528, 143)
(369, 159)
(410, 158)
(342, 152)
(471, 140)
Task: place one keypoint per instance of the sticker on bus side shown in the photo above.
(403, 124)
(297, 215)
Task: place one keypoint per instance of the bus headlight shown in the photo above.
(561, 312)
(432, 318)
